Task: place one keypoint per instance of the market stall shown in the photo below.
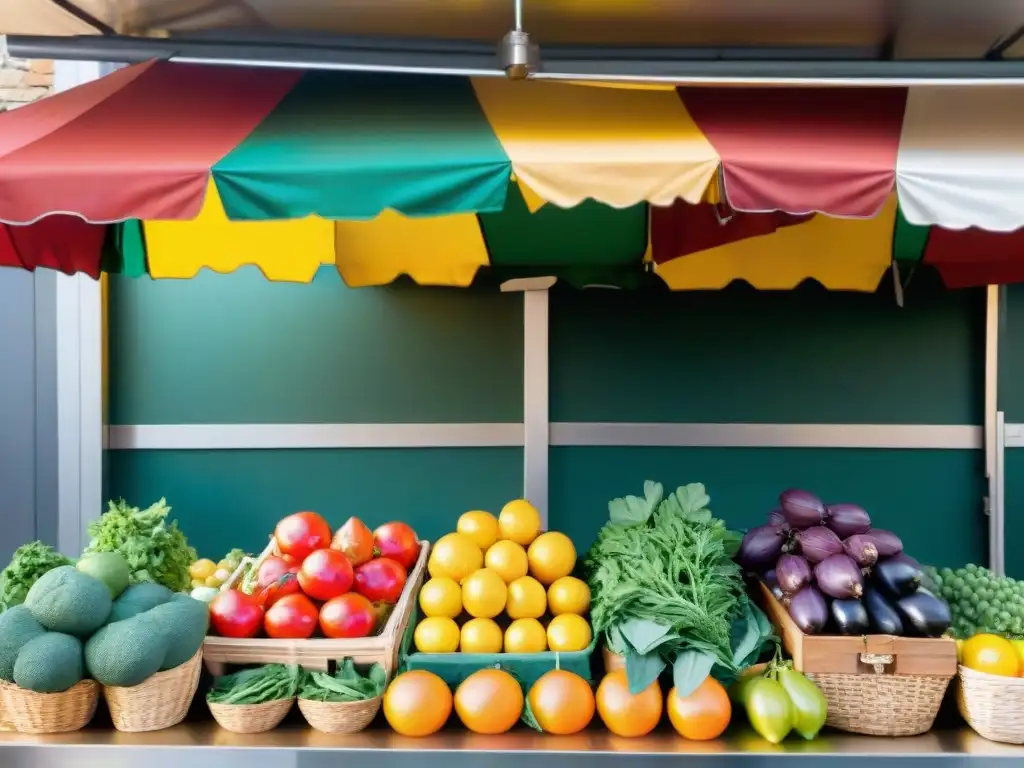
(519, 184)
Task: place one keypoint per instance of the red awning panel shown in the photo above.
(968, 258)
(64, 243)
(136, 144)
(803, 150)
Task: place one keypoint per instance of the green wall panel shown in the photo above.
(1011, 355)
(740, 355)
(240, 349)
(931, 498)
(1013, 530)
(226, 499)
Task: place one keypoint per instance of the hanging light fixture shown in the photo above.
(519, 57)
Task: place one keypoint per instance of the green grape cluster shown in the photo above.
(980, 601)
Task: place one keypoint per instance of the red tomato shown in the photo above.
(355, 540)
(380, 580)
(325, 573)
(350, 615)
(272, 569)
(235, 614)
(299, 534)
(292, 616)
(288, 584)
(397, 541)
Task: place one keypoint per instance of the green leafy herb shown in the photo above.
(154, 550)
(346, 684)
(259, 685)
(665, 590)
(30, 561)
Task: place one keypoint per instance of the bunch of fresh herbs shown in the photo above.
(665, 590)
(345, 685)
(258, 685)
(29, 562)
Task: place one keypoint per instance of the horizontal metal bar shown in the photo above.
(942, 436)
(202, 437)
(611, 434)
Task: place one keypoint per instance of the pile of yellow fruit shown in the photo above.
(500, 577)
(206, 573)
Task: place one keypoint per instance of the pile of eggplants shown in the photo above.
(835, 574)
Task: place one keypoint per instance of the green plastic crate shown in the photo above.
(453, 668)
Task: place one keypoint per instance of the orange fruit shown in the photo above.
(624, 713)
(489, 701)
(561, 702)
(704, 714)
(417, 703)
(991, 654)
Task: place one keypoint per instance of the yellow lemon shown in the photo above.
(551, 557)
(525, 636)
(484, 594)
(202, 569)
(436, 634)
(568, 595)
(441, 597)
(519, 521)
(454, 556)
(526, 599)
(508, 560)
(992, 654)
(569, 632)
(480, 636)
(481, 527)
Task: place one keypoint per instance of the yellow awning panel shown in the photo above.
(841, 254)
(617, 146)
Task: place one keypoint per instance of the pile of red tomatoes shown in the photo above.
(340, 585)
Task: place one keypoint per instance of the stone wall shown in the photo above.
(21, 80)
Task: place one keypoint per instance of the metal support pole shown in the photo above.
(995, 434)
(997, 514)
(535, 400)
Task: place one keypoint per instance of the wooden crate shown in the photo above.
(845, 655)
(320, 653)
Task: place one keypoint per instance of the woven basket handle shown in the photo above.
(877, 660)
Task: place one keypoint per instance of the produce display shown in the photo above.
(316, 584)
(836, 574)
(667, 593)
(500, 584)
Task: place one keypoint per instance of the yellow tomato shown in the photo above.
(569, 632)
(202, 569)
(441, 597)
(526, 599)
(525, 636)
(436, 635)
(480, 636)
(480, 527)
(519, 521)
(454, 556)
(551, 557)
(568, 595)
(484, 594)
(508, 560)
(991, 654)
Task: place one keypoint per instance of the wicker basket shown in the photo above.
(882, 704)
(250, 718)
(339, 716)
(993, 705)
(32, 712)
(159, 702)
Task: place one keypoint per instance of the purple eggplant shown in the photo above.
(896, 577)
(847, 519)
(925, 613)
(885, 619)
(818, 543)
(761, 547)
(861, 549)
(887, 542)
(777, 518)
(849, 617)
(772, 583)
(793, 573)
(802, 509)
(808, 610)
(839, 577)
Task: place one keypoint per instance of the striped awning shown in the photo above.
(435, 177)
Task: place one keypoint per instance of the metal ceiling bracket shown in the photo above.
(518, 56)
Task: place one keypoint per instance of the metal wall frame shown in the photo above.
(83, 434)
